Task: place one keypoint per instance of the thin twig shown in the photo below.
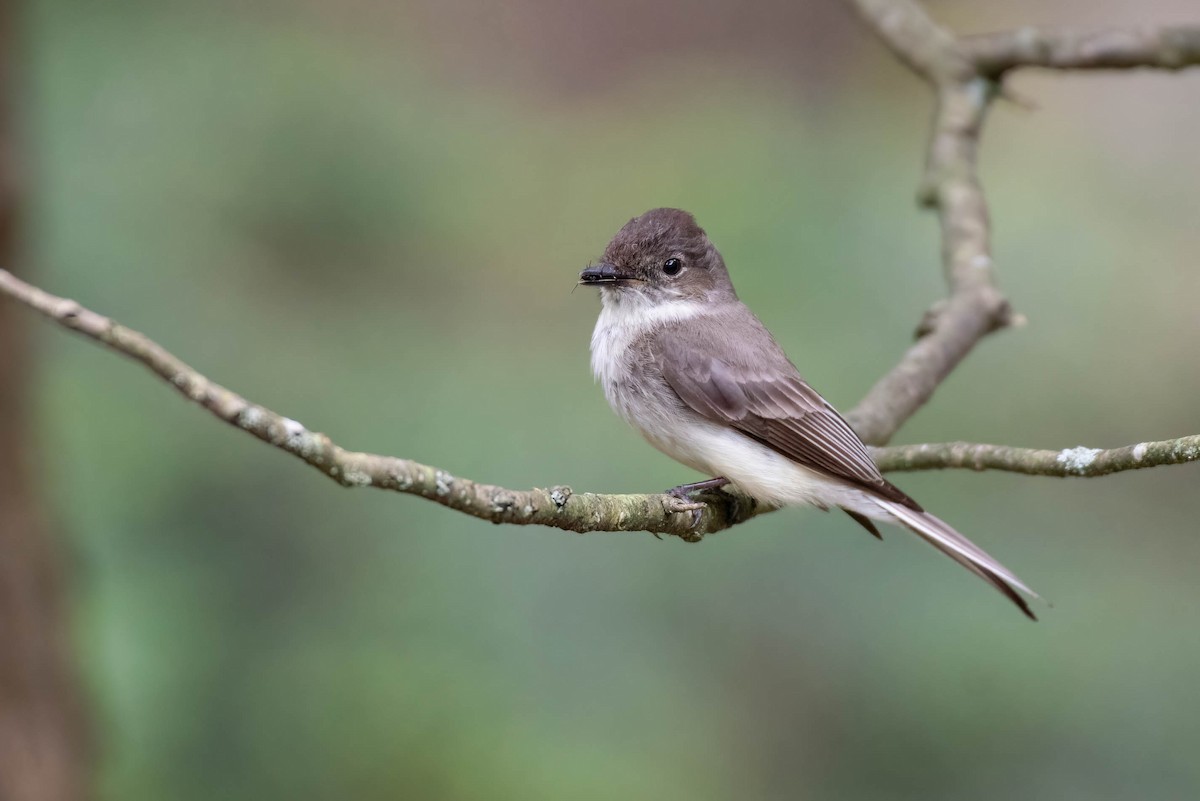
(1077, 462)
(951, 186)
(1170, 48)
(928, 49)
(558, 507)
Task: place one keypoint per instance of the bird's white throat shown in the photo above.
(625, 318)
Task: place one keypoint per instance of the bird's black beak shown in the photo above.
(604, 273)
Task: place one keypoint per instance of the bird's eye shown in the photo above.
(672, 266)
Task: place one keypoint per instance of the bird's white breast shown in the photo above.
(759, 471)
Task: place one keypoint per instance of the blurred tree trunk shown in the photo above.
(42, 743)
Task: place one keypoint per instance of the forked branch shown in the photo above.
(964, 73)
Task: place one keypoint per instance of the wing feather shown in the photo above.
(770, 402)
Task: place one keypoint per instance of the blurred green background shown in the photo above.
(369, 216)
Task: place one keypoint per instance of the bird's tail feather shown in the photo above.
(941, 536)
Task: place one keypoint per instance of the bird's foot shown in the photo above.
(683, 502)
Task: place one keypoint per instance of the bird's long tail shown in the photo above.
(941, 536)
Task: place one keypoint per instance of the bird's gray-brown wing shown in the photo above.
(759, 392)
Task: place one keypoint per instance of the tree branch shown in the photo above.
(557, 507)
(927, 48)
(1171, 48)
(964, 74)
(1080, 462)
(951, 186)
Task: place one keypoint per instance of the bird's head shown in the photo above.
(659, 257)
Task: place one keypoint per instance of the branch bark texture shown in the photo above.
(1170, 48)
(1080, 461)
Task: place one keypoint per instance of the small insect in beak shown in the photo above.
(605, 273)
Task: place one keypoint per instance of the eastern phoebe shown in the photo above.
(691, 368)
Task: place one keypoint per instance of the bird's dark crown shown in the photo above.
(658, 231)
(665, 255)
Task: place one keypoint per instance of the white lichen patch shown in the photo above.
(300, 440)
(251, 418)
(443, 481)
(979, 90)
(306, 444)
(1139, 452)
(502, 501)
(981, 261)
(560, 496)
(1078, 460)
(357, 477)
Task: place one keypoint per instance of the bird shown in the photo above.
(690, 367)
